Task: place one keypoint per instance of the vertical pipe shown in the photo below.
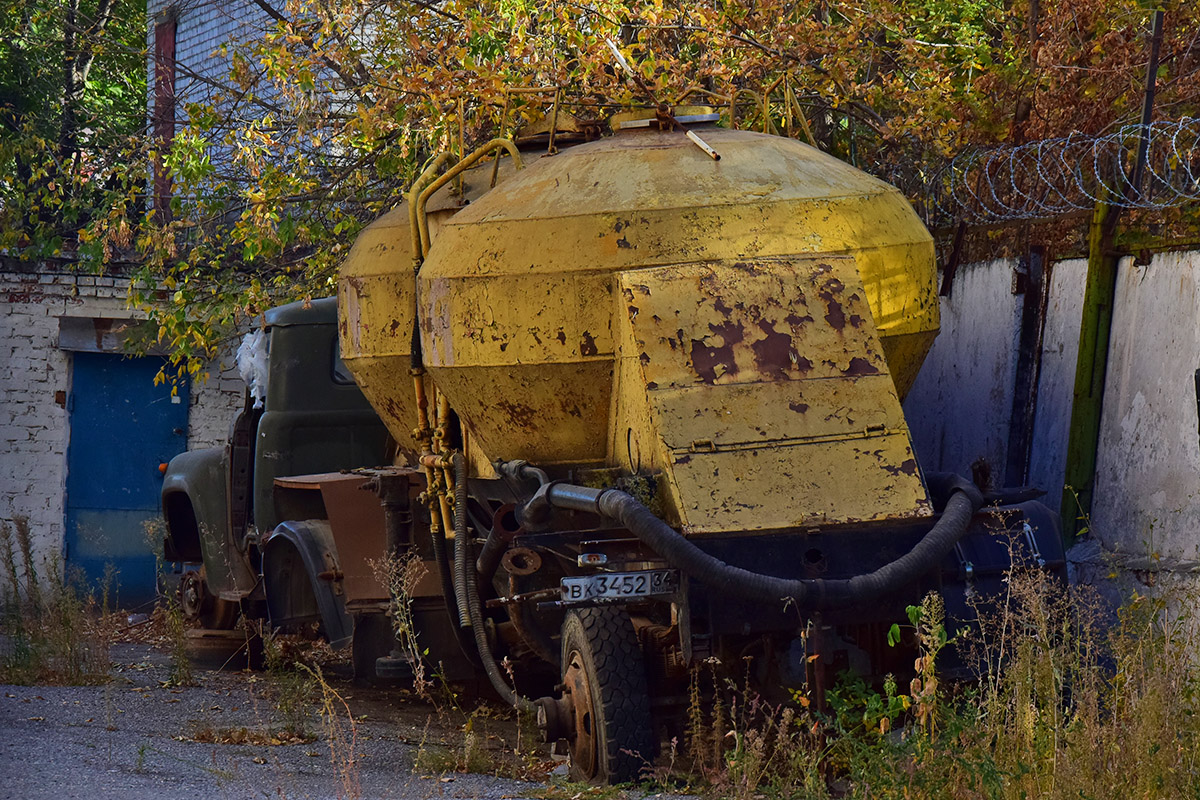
(1148, 105)
(1096, 323)
(1029, 362)
(1090, 367)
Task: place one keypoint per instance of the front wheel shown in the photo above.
(198, 604)
(613, 735)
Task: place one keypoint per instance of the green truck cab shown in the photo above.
(255, 540)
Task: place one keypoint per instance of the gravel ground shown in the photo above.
(133, 738)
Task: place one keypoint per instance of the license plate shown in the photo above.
(619, 585)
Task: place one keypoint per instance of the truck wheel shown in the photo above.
(197, 603)
(219, 615)
(613, 735)
(373, 639)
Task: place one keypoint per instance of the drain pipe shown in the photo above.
(964, 499)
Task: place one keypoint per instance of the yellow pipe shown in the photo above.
(449, 175)
(803, 119)
(421, 180)
(697, 89)
(733, 98)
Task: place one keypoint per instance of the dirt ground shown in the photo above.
(139, 738)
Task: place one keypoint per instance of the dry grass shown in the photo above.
(51, 632)
(241, 735)
(1068, 704)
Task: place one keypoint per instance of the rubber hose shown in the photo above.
(465, 576)
(461, 545)
(815, 594)
(465, 643)
(489, 557)
(416, 359)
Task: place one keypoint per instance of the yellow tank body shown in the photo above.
(742, 328)
(375, 303)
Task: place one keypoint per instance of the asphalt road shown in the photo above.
(135, 739)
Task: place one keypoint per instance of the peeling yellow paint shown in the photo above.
(746, 327)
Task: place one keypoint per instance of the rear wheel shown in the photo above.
(612, 736)
(373, 639)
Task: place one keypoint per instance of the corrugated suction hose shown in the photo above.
(963, 500)
(467, 589)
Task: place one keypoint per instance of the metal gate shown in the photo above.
(122, 427)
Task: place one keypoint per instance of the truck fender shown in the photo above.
(193, 503)
(301, 579)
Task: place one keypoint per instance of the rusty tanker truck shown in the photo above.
(634, 405)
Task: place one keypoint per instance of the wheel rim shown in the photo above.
(191, 595)
(584, 743)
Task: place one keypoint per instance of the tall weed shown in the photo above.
(1068, 703)
(52, 632)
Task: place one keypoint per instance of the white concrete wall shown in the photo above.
(33, 425)
(1056, 379)
(1147, 498)
(1145, 520)
(959, 407)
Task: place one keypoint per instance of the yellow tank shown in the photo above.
(743, 328)
(375, 302)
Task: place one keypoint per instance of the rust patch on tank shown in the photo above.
(799, 408)
(860, 366)
(774, 354)
(522, 416)
(706, 359)
(908, 467)
(587, 346)
(570, 407)
(834, 314)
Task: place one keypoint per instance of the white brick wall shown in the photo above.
(202, 27)
(34, 426)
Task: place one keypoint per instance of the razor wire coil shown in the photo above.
(1052, 177)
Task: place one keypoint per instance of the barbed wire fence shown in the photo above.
(1054, 177)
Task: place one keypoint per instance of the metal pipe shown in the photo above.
(696, 88)
(413, 192)
(497, 542)
(1147, 106)
(449, 175)
(465, 578)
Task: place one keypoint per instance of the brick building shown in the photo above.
(79, 460)
(73, 455)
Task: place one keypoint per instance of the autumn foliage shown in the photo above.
(324, 111)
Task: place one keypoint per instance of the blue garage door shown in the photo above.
(122, 428)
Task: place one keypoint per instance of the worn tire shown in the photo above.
(606, 646)
(373, 638)
(219, 614)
